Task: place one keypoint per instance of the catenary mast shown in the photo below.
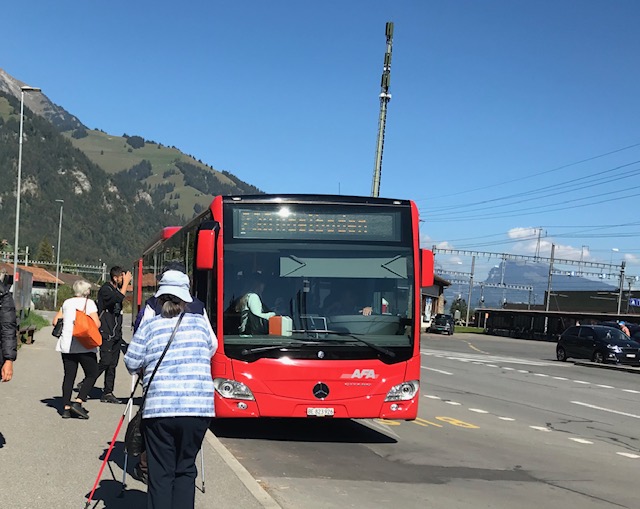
(385, 97)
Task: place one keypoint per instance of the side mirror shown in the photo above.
(426, 268)
(206, 246)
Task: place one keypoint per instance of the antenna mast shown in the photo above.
(385, 97)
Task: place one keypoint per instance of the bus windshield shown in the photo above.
(322, 293)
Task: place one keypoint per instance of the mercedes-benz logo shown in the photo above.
(320, 390)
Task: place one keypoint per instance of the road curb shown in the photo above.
(628, 369)
(254, 487)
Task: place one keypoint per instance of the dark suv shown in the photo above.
(598, 343)
(443, 323)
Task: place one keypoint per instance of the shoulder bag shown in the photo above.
(85, 329)
(133, 437)
(57, 329)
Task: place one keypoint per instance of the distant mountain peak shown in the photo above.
(40, 104)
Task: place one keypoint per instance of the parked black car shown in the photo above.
(598, 343)
(443, 323)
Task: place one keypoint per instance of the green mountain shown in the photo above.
(118, 191)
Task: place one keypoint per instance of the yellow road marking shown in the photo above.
(389, 422)
(423, 422)
(456, 422)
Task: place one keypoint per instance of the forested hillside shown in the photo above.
(111, 213)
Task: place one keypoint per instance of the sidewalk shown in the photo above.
(48, 462)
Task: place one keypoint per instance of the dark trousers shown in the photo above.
(109, 357)
(70, 361)
(172, 446)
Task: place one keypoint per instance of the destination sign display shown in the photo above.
(315, 225)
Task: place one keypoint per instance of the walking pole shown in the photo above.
(106, 456)
(202, 466)
(134, 382)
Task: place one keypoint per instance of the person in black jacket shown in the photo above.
(8, 333)
(110, 298)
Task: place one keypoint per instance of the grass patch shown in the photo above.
(472, 330)
(33, 318)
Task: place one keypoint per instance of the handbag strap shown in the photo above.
(164, 352)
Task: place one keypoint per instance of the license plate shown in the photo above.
(631, 355)
(320, 412)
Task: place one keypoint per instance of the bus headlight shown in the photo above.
(232, 389)
(404, 391)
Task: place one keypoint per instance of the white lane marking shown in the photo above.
(540, 374)
(437, 370)
(580, 440)
(540, 428)
(478, 411)
(560, 378)
(491, 366)
(454, 403)
(604, 386)
(629, 455)
(484, 358)
(582, 382)
(508, 369)
(431, 396)
(632, 391)
(506, 419)
(594, 407)
(522, 371)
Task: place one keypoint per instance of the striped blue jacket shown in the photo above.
(182, 386)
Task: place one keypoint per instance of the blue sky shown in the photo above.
(506, 115)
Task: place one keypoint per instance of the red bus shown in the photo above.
(320, 356)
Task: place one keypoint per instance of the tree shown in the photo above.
(45, 250)
(459, 305)
(136, 141)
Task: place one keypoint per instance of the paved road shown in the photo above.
(501, 425)
(50, 463)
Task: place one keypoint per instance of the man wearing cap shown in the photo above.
(179, 401)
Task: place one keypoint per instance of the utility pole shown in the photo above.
(538, 243)
(621, 289)
(504, 290)
(546, 308)
(385, 97)
(473, 265)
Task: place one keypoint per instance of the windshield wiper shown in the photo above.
(353, 339)
(281, 346)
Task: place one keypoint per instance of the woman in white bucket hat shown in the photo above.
(179, 401)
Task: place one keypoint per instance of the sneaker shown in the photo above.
(138, 474)
(66, 414)
(109, 398)
(77, 410)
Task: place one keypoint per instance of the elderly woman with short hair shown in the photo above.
(74, 353)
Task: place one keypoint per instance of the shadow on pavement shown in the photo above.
(55, 403)
(110, 493)
(299, 430)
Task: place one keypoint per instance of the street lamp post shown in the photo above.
(55, 295)
(15, 244)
